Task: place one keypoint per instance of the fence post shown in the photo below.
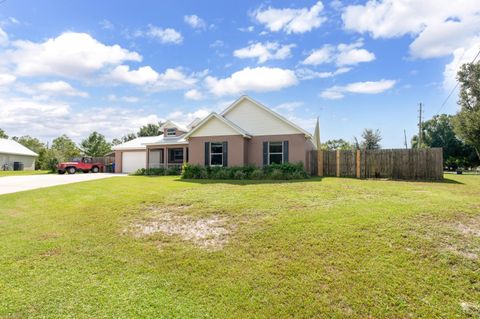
(338, 163)
(320, 162)
(358, 163)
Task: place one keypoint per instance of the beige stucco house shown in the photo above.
(245, 133)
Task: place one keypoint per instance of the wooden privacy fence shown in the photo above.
(406, 164)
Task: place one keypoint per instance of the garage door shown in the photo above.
(131, 161)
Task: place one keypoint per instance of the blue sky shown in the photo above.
(111, 66)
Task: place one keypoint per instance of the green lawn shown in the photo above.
(16, 173)
(321, 248)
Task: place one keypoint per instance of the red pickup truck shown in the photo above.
(84, 164)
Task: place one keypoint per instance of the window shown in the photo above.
(175, 155)
(216, 154)
(171, 131)
(275, 153)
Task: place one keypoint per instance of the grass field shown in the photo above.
(16, 173)
(164, 248)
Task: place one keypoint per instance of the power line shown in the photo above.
(455, 87)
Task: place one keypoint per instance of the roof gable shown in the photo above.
(171, 124)
(13, 147)
(258, 119)
(216, 125)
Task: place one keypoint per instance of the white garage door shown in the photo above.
(131, 161)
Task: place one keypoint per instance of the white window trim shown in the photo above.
(174, 130)
(275, 153)
(211, 153)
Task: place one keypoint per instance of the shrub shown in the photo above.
(221, 173)
(155, 171)
(138, 172)
(172, 171)
(239, 175)
(274, 171)
(193, 171)
(276, 174)
(257, 174)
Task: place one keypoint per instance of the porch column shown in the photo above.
(148, 158)
(165, 157)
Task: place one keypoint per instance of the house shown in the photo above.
(245, 133)
(14, 155)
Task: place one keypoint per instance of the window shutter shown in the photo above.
(265, 153)
(207, 154)
(285, 151)
(225, 154)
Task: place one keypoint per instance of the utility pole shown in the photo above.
(405, 135)
(420, 130)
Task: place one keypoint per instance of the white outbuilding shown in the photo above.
(15, 155)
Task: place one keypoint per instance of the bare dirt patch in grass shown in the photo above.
(460, 235)
(208, 232)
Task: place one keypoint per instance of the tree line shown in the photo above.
(458, 135)
(63, 148)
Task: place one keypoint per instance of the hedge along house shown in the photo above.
(246, 133)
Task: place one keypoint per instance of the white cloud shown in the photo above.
(106, 24)
(47, 120)
(193, 94)
(185, 118)
(247, 29)
(367, 87)
(217, 44)
(195, 22)
(128, 99)
(288, 106)
(174, 79)
(349, 54)
(71, 54)
(151, 80)
(291, 20)
(59, 88)
(460, 56)
(167, 35)
(142, 75)
(6, 79)
(260, 79)
(342, 54)
(438, 26)
(307, 74)
(3, 37)
(265, 51)
(320, 56)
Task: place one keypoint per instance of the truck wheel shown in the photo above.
(71, 170)
(95, 169)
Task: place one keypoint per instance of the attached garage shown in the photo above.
(132, 161)
(132, 155)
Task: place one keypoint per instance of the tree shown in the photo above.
(371, 139)
(439, 132)
(35, 145)
(339, 144)
(64, 149)
(124, 139)
(3, 134)
(150, 130)
(467, 121)
(95, 145)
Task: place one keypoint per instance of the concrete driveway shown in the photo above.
(13, 184)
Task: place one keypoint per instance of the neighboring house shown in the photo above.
(12, 152)
(246, 133)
